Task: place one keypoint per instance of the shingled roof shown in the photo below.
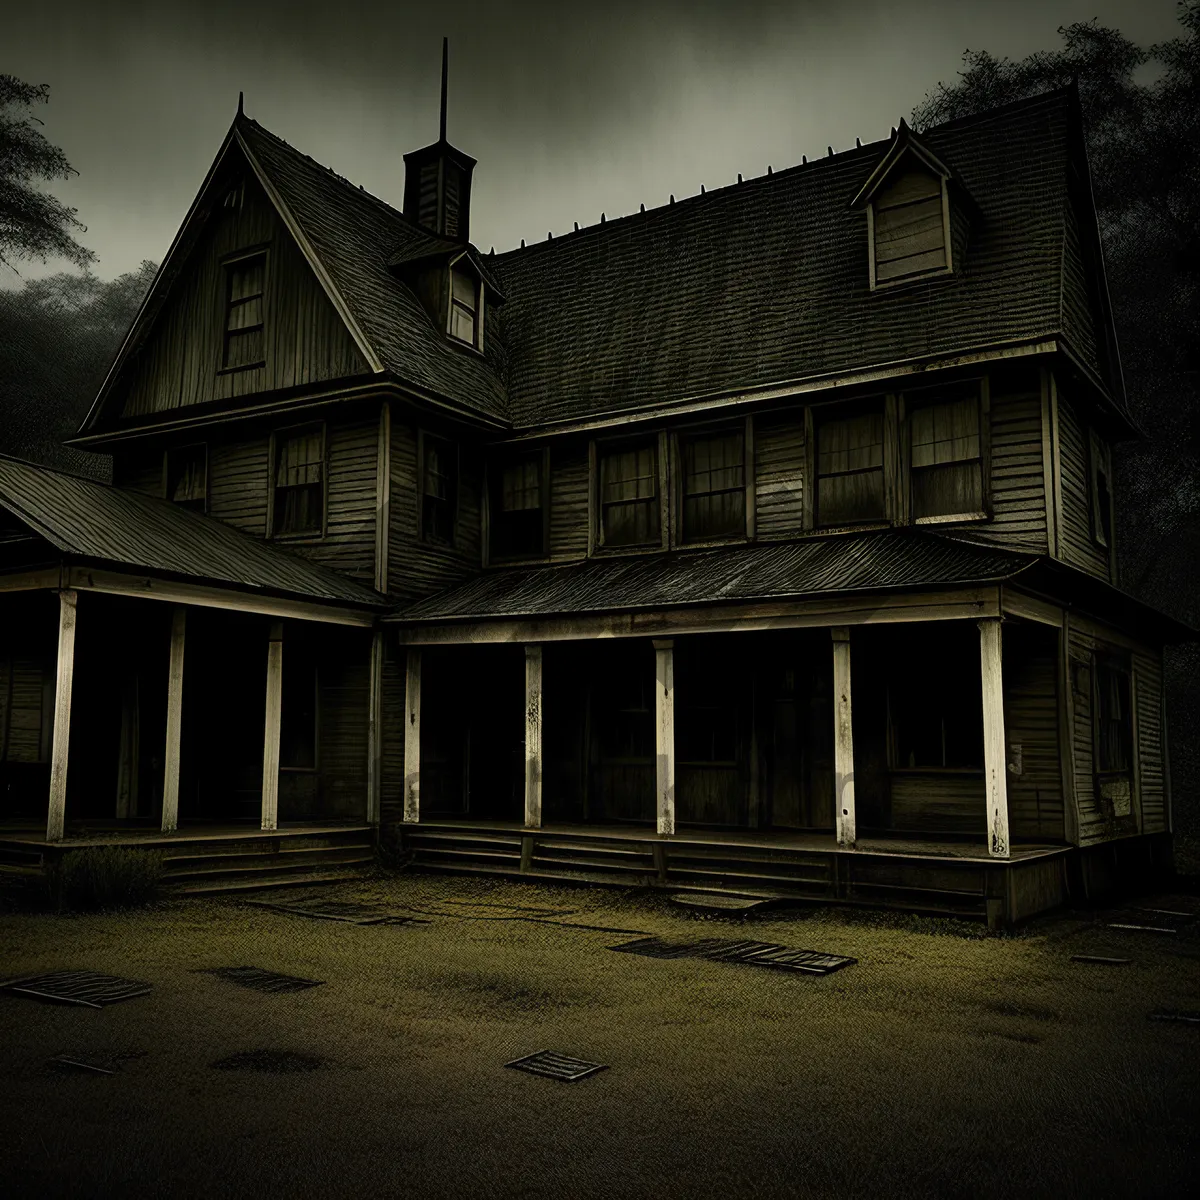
(765, 282)
(96, 522)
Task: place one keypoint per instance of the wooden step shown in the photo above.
(278, 865)
(266, 883)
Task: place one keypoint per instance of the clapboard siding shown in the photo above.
(1078, 546)
(238, 482)
(419, 568)
(305, 340)
(779, 474)
(1035, 797)
(1148, 699)
(569, 500)
(351, 461)
(938, 802)
(26, 707)
(139, 471)
(1018, 491)
(1093, 826)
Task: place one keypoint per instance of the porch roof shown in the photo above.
(879, 561)
(96, 522)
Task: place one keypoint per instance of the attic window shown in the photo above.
(464, 307)
(187, 476)
(245, 345)
(909, 227)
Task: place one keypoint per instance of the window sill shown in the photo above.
(254, 366)
(628, 551)
(910, 281)
(951, 518)
(294, 539)
(730, 539)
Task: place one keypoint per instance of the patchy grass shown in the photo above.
(94, 878)
(946, 1063)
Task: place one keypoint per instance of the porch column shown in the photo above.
(270, 782)
(994, 763)
(533, 737)
(375, 730)
(412, 738)
(170, 804)
(60, 746)
(664, 735)
(843, 740)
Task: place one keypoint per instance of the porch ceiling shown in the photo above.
(99, 523)
(881, 561)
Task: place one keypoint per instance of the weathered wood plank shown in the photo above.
(664, 736)
(271, 727)
(412, 738)
(843, 740)
(533, 737)
(994, 758)
(61, 745)
(170, 801)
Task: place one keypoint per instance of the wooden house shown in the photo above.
(760, 542)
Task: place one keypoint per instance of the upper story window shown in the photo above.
(517, 508)
(299, 498)
(1101, 490)
(464, 307)
(909, 227)
(245, 345)
(187, 476)
(629, 505)
(946, 457)
(439, 489)
(850, 469)
(714, 485)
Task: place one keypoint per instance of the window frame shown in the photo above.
(272, 486)
(826, 415)
(679, 495)
(917, 398)
(881, 285)
(455, 500)
(228, 263)
(168, 454)
(599, 450)
(493, 478)
(476, 342)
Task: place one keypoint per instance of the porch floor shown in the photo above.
(32, 833)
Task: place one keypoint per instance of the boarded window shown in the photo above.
(1114, 719)
(298, 712)
(299, 482)
(909, 232)
(517, 513)
(464, 300)
(439, 490)
(714, 486)
(629, 496)
(850, 470)
(187, 476)
(947, 459)
(1101, 465)
(244, 343)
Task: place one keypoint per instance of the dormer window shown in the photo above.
(465, 325)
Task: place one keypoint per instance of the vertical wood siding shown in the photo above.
(238, 479)
(1092, 824)
(305, 339)
(1147, 683)
(343, 683)
(419, 568)
(779, 474)
(569, 500)
(1078, 547)
(1035, 799)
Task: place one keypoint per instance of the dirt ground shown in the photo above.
(944, 1063)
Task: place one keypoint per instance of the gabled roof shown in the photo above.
(100, 523)
(764, 284)
(904, 141)
(864, 562)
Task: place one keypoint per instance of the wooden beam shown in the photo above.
(1030, 608)
(664, 735)
(375, 730)
(995, 764)
(412, 738)
(967, 604)
(843, 740)
(170, 804)
(31, 581)
(117, 583)
(56, 816)
(533, 737)
(270, 783)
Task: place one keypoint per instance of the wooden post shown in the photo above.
(170, 804)
(664, 735)
(412, 738)
(843, 741)
(533, 737)
(375, 730)
(56, 817)
(994, 762)
(270, 783)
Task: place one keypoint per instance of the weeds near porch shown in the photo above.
(103, 877)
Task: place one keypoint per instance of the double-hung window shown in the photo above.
(245, 345)
(439, 489)
(629, 503)
(946, 450)
(850, 469)
(299, 500)
(714, 485)
(516, 509)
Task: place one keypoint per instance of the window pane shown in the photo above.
(521, 486)
(947, 490)
(1114, 720)
(845, 499)
(246, 279)
(853, 444)
(463, 290)
(298, 509)
(299, 459)
(244, 314)
(943, 433)
(462, 323)
(629, 497)
(439, 488)
(244, 347)
(186, 476)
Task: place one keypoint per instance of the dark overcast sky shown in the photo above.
(570, 109)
